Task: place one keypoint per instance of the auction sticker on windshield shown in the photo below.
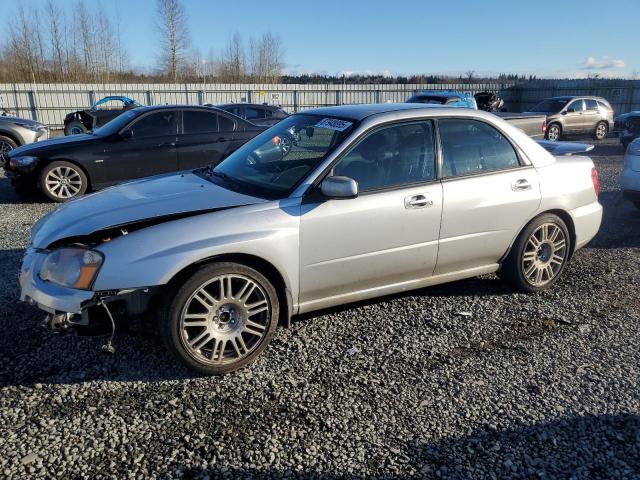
(334, 124)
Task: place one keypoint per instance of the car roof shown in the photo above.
(570, 97)
(253, 105)
(147, 108)
(359, 112)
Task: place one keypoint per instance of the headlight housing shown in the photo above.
(71, 267)
(634, 148)
(22, 161)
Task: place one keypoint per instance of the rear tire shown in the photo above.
(75, 127)
(539, 255)
(6, 145)
(221, 319)
(62, 181)
(601, 131)
(554, 132)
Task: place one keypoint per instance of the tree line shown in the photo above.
(79, 43)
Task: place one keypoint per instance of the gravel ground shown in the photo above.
(466, 380)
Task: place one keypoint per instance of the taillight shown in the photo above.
(544, 127)
(596, 182)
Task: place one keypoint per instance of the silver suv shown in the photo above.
(15, 132)
(570, 115)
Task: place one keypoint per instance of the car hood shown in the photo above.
(23, 121)
(160, 198)
(54, 143)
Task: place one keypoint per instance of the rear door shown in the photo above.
(591, 115)
(150, 150)
(573, 121)
(204, 139)
(488, 195)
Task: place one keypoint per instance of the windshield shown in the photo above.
(115, 125)
(434, 99)
(273, 163)
(553, 105)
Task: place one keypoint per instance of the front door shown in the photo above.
(488, 195)
(150, 150)
(387, 237)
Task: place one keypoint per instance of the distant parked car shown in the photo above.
(627, 127)
(630, 179)
(141, 142)
(258, 114)
(445, 97)
(569, 115)
(15, 132)
(101, 112)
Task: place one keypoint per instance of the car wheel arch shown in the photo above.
(566, 218)
(257, 263)
(12, 137)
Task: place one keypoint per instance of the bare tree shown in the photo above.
(266, 58)
(470, 74)
(232, 66)
(56, 26)
(174, 36)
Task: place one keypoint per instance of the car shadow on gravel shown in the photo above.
(603, 446)
(9, 196)
(620, 223)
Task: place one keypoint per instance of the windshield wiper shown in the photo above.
(230, 180)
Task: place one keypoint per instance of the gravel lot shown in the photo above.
(467, 380)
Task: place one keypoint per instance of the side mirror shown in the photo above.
(339, 187)
(126, 134)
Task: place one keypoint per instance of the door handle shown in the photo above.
(221, 139)
(418, 201)
(167, 144)
(520, 185)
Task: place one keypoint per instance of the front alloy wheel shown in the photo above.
(222, 318)
(62, 181)
(554, 132)
(601, 131)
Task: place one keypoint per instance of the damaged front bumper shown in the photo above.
(48, 296)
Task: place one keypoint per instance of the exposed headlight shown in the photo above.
(29, 126)
(71, 267)
(634, 148)
(22, 161)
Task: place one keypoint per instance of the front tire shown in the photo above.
(221, 319)
(6, 145)
(554, 132)
(539, 255)
(75, 127)
(61, 181)
(601, 131)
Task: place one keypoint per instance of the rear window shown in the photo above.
(199, 122)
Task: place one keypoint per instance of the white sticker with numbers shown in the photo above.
(333, 124)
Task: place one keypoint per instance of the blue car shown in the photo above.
(101, 112)
(445, 97)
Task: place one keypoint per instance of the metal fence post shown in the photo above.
(377, 96)
(200, 97)
(295, 101)
(149, 97)
(338, 97)
(32, 105)
(92, 98)
(249, 96)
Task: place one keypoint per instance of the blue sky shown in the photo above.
(543, 37)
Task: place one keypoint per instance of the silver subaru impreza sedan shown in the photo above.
(364, 201)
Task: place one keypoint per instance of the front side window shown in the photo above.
(471, 147)
(576, 106)
(198, 121)
(156, 124)
(274, 162)
(392, 156)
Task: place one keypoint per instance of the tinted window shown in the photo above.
(251, 113)
(470, 147)
(196, 121)
(591, 104)
(604, 105)
(226, 124)
(553, 105)
(393, 156)
(155, 124)
(577, 106)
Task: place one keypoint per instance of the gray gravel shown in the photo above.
(467, 380)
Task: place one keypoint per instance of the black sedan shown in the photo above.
(258, 114)
(141, 142)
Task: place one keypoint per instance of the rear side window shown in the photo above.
(226, 124)
(156, 124)
(253, 113)
(591, 104)
(471, 147)
(197, 121)
(576, 106)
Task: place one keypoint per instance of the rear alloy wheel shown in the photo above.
(62, 181)
(554, 132)
(222, 318)
(539, 255)
(601, 131)
(6, 145)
